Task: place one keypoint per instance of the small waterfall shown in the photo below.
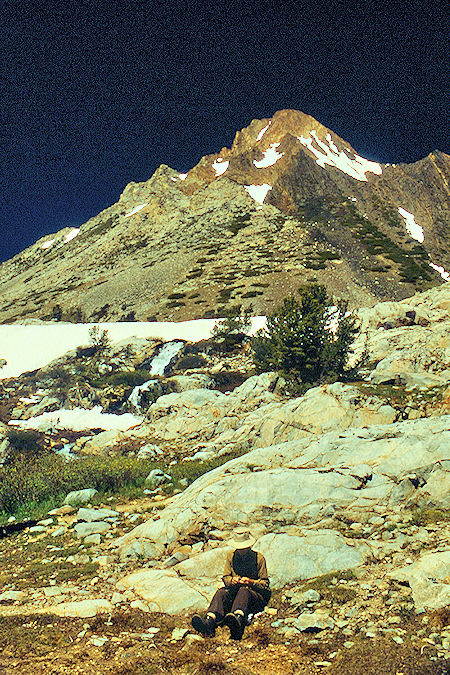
(164, 357)
(135, 396)
(158, 366)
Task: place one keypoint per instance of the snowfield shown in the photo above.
(79, 419)
(329, 154)
(26, 347)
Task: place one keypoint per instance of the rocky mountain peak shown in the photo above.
(289, 202)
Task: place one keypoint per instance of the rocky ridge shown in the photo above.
(289, 202)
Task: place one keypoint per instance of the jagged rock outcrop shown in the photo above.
(407, 342)
(295, 496)
(289, 201)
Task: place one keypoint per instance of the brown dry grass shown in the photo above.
(384, 657)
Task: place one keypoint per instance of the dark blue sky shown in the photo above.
(94, 94)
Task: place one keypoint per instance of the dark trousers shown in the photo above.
(231, 598)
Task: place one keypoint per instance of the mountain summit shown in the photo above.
(290, 202)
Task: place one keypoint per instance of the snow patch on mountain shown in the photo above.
(263, 131)
(329, 154)
(441, 270)
(412, 228)
(48, 244)
(258, 192)
(72, 234)
(270, 157)
(135, 210)
(220, 166)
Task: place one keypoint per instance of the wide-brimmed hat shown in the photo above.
(242, 538)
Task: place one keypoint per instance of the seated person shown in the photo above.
(246, 590)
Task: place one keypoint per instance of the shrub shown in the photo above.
(99, 339)
(230, 331)
(298, 343)
(123, 377)
(227, 380)
(176, 296)
(31, 482)
(24, 444)
(190, 361)
(239, 222)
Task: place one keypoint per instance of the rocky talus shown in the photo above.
(346, 490)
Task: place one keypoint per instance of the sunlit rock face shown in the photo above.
(288, 203)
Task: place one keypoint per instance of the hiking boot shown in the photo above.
(236, 624)
(206, 626)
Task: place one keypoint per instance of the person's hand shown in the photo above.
(235, 580)
(246, 581)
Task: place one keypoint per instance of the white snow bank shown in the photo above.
(263, 131)
(258, 192)
(329, 154)
(441, 270)
(135, 210)
(220, 166)
(72, 234)
(79, 419)
(48, 244)
(28, 347)
(412, 228)
(182, 176)
(270, 157)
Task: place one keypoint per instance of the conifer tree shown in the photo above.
(307, 340)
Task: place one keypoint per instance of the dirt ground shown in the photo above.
(123, 644)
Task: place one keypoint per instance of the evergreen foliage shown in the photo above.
(298, 341)
(99, 339)
(231, 331)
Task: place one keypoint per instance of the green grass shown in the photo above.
(29, 489)
(429, 516)
(26, 484)
(338, 593)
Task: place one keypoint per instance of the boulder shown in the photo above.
(91, 515)
(102, 443)
(313, 622)
(189, 382)
(300, 598)
(79, 497)
(83, 609)
(12, 596)
(141, 548)
(164, 591)
(86, 529)
(150, 451)
(292, 558)
(407, 341)
(206, 565)
(155, 478)
(320, 410)
(301, 481)
(428, 578)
